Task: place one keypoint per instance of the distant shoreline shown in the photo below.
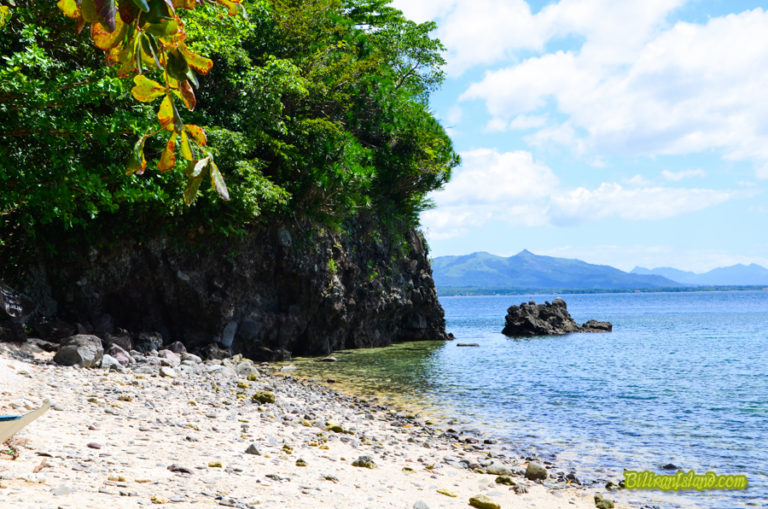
(487, 292)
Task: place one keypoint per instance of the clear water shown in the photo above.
(683, 379)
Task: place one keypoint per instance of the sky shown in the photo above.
(628, 133)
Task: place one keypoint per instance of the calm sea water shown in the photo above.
(683, 379)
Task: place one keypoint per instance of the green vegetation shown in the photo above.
(313, 111)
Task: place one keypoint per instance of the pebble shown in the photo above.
(483, 502)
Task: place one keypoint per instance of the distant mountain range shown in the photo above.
(528, 271)
(735, 275)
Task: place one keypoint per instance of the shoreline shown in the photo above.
(112, 437)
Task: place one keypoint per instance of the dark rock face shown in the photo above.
(546, 319)
(267, 295)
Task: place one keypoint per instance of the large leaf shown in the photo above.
(108, 40)
(128, 10)
(89, 11)
(163, 28)
(147, 90)
(197, 133)
(196, 170)
(69, 8)
(137, 163)
(188, 95)
(167, 114)
(106, 10)
(196, 62)
(230, 4)
(186, 149)
(177, 65)
(168, 157)
(217, 182)
(141, 4)
(190, 193)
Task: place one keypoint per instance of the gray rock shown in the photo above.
(535, 471)
(168, 372)
(246, 368)
(252, 449)
(118, 353)
(110, 363)
(177, 347)
(420, 505)
(168, 358)
(81, 350)
(496, 468)
(190, 357)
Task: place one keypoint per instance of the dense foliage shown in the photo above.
(313, 110)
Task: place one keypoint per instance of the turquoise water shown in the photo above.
(683, 379)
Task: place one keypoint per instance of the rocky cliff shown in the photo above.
(273, 292)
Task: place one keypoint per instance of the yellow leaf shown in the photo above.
(146, 90)
(69, 8)
(230, 4)
(195, 61)
(105, 40)
(186, 149)
(168, 157)
(165, 113)
(197, 133)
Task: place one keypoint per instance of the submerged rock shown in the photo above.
(546, 319)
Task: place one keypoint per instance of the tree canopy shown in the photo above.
(309, 109)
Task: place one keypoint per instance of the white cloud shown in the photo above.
(528, 122)
(514, 188)
(637, 87)
(650, 203)
(677, 176)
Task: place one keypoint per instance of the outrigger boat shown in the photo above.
(12, 424)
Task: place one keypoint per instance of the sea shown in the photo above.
(682, 380)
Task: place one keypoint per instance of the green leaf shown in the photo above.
(137, 164)
(177, 66)
(146, 90)
(164, 28)
(217, 182)
(141, 4)
(89, 11)
(190, 193)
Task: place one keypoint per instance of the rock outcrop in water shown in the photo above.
(546, 319)
(269, 294)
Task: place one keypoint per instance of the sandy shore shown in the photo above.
(138, 438)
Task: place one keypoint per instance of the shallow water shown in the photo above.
(683, 379)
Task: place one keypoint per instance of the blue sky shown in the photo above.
(630, 132)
